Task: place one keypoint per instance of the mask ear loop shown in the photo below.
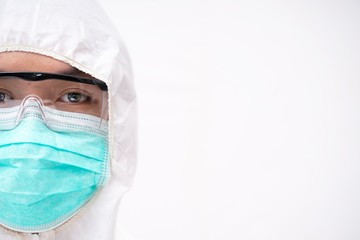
(31, 98)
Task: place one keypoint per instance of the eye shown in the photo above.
(74, 97)
(4, 97)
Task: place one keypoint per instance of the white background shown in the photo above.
(249, 119)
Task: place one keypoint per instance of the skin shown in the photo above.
(54, 93)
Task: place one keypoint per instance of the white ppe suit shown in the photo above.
(78, 33)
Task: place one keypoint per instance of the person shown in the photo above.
(67, 121)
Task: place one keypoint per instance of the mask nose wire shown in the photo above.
(33, 101)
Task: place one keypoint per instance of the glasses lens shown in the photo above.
(62, 95)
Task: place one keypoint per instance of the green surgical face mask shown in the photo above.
(48, 172)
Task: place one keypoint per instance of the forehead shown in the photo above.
(32, 62)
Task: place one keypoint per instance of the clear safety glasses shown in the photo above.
(51, 94)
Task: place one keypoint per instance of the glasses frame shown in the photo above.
(40, 76)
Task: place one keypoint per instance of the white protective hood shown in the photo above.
(79, 33)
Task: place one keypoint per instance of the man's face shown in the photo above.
(62, 95)
(53, 141)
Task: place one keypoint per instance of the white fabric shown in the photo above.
(79, 33)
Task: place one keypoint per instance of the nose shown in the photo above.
(32, 104)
